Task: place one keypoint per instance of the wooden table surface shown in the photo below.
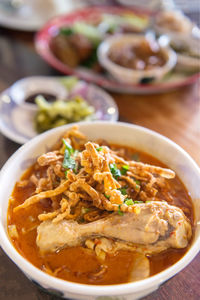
(175, 114)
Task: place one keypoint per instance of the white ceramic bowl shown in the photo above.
(138, 137)
(180, 18)
(29, 86)
(187, 39)
(132, 76)
(188, 63)
(185, 62)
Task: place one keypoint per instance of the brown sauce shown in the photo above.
(141, 56)
(48, 97)
(79, 264)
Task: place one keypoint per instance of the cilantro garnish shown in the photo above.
(119, 211)
(115, 171)
(107, 196)
(68, 161)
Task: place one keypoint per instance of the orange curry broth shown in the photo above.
(79, 264)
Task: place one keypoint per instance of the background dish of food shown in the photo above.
(50, 40)
(184, 38)
(153, 4)
(119, 133)
(31, 15)
(135, 58)
(17, 120)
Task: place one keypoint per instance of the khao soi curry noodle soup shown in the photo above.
(95, 213)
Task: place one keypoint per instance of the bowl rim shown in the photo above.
(107, 63)
(95, 290)
(27, 81)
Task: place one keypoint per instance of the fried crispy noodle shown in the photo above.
(47, 216)
(166, 173)
(13, 231)
(77, 139)
(49, 158)
(51, 177)
(58, 170)
(22, 183)
(132, 183)
(48, 194)
(92, 184)
(42, 185)
(141, 167)
(34, 179)
(73, 198)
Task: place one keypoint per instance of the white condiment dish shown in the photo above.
(132, 76)
(17, 116)
(26, 87)
(120, 133)
(185, 36)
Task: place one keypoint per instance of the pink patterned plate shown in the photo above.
(43, 39)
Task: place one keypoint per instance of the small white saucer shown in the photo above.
(17, 116)
(31, 15)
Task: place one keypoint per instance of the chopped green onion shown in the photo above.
(107, 196)
(119, 211)
(137, 182)
(99, 149)
(66, 173)
(124, 169)
(128, 201)
(123, 191)
(115, 171)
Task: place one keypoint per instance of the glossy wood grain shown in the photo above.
(175, 114)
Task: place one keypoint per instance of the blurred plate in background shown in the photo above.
(31, 15)
(43, 43)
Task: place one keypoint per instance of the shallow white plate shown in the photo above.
(31, 15)
(17, 116)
